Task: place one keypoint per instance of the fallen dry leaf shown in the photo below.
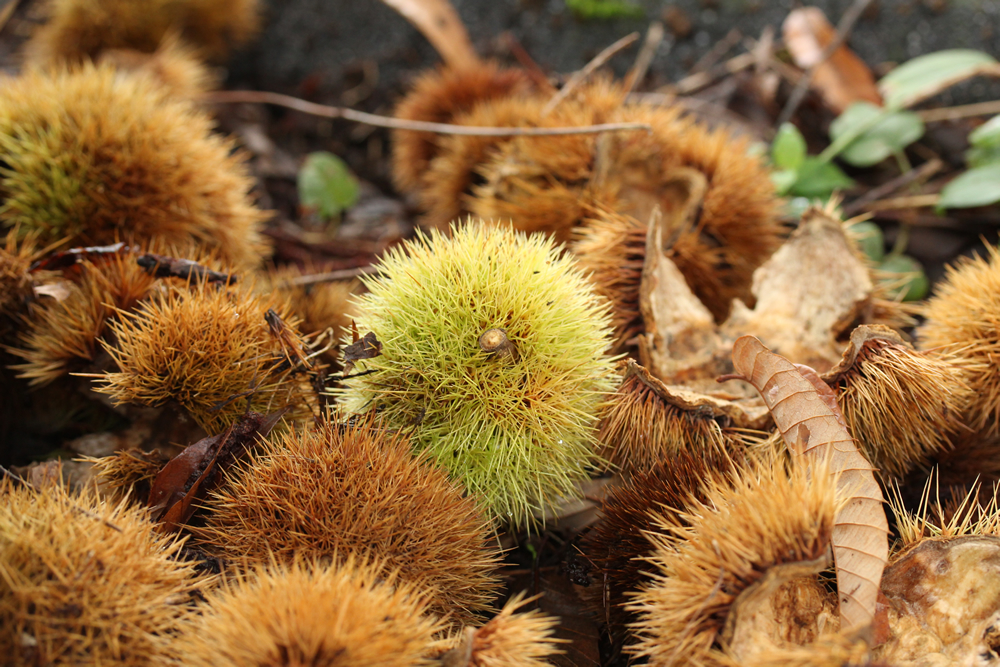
(805, 411)
(843, 78)
(680, 343)
(438, 21)
(808, 293)
(195, 471)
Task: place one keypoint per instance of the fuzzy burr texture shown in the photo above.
(902, 405)
(509, 639)
(353, 614)
(964, 314)
(64, 335)
(517, 430)
(78, 30)
(94, 156)
(174, 65)
(619, 543)
(762, 516)
(16, 256)
(205, 347)
(87, 583)
(439, 96)
(400, 510)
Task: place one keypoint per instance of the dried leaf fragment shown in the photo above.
(366, 347)
(843, 78)
(442, 26)
(808, 292)
(812, 426)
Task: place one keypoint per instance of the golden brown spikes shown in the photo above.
(619, 543)
(305, 614)
(174, 65)
(78, 30)
(611, 247)
(16, 283)
(763, 516)
(965, 313)
(899, 403)
(443, 192)
(647, 423)
(508, 639)
(439, 96)
(205, 347)
(128, 473)
(84, 582)
(94, 156)
(385, 504)
(738, 226)
(63, 335)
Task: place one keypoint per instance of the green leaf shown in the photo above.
(925, 76)
(980, 157)
(326, 184)
(987, 134)
(789, 148)
(605, 9)
(910, 277)
(783, 180)
(819, 179)
(870, 238)
(891, 132)
(976, 187)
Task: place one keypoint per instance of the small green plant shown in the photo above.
(800, 174)
(326, 185)
(980, 185)
(605, 9)
(494, 354)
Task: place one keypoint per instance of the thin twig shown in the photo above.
(714, 54)
(896, 203)
(324, 111)
(847, 22)
(695, 82)
(654, 37)
(964, 111)
(330, 276)
(921, 173)
(588, 69)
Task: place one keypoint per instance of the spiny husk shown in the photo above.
(439, 96)
(16, 283)
(965, 313)
(647, 422)
(611, 247)
(128, 473)
(826, 651)
(64, 335)
(761, 517)
(174, 65)
(543, 184)
(204, 347)
(509, 639)
(900, 404)
(353, 612)
(738, 223)
(517, 434)
(94, 156)
(402, 511)
(618, 544)
(962, 515)
(85, 582)
(78, 30)
(443, 194)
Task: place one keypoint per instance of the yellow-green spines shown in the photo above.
(516, 429)
(93, 155)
